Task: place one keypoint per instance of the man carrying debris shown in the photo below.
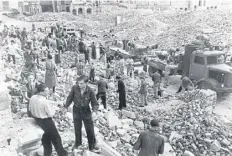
(156, 78)
(122, 93)
(39, 108)
(185, 84)
(150, 143)
(81, 94)
(102, 87)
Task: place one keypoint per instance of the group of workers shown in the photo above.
(36, 91)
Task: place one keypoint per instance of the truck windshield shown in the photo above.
(219, 59)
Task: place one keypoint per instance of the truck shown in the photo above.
(206, 67)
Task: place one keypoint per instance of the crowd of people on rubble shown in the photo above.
(38, 46)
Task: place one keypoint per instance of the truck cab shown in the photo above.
(210, 65)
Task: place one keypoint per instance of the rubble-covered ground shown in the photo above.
(168, 28)
(188, 121)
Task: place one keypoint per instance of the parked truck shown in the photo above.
(206, 67)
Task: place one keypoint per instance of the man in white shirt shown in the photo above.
(42, 112)
(12, 49)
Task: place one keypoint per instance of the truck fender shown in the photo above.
(208, 84)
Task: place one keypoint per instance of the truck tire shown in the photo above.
(208, 84)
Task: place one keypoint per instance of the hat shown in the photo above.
(118, 77)
(41, 87)
(154, 123)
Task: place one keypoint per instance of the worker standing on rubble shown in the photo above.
(29, 90)
(92, 73)
(156, 78)
(39, 108)
(102, 88)
(93, 51)
(81, 94)
(185, 84)
(12, 49)
(122, 93)
(150, 143)
(50, 74)
(143, 91)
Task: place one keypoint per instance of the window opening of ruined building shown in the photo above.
(74, 12)
(200, 2)
(80, 11)
(89, 11)
(67, 9)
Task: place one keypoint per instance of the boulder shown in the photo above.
(88, 153)
(215, 146)
(128, 114)
(126, 138)
(127, 121)
(225, 142)
(188, 153)
(106, 149)
(113, 120)
(121, 132)
(139, 124)
(174, 135)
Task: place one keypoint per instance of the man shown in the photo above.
(156, 78)
(166, 74)
(43, 113)
(122, 93)
(143, 92)
(102, 87)
(29, 90)
(92, 73)
(93, 51)
(81, 94)
(185, 84)
(12, 49)
(150, 143)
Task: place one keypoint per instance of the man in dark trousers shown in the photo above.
(93, 51)
(122, 93)
(150, 142)
(81, 94)
(42, 112)
(102, 87)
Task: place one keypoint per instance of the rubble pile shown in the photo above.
(189, 126)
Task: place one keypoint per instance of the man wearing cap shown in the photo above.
(102, 87)
(81, 94)
(186, 82)
(42, 112)
(122, 93)
(150, 143)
